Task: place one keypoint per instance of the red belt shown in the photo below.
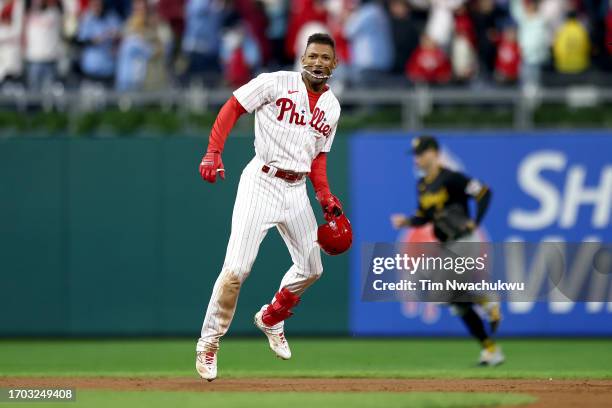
(284, 174)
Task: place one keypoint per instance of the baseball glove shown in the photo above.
(453, 222)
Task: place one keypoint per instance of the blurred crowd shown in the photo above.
(132, 45)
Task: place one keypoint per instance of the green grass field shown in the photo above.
(152, 399)
(313, 358)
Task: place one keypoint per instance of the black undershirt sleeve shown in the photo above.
(482, 196)
(420, 217)
(482, 204)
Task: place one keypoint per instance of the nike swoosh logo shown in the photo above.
(292, 92)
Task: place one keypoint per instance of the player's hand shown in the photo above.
(399, 221)
(210, 165)
(330, 204)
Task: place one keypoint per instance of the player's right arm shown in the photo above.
(416, 220)
(402, 221)
(211, 163)
(247, 98)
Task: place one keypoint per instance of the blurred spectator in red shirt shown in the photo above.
(428, 63)
(240, 55)
(253, 14)
(337, 13)
(302, 12)
(464, 24)
(508, 59)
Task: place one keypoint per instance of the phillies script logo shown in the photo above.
(317, 121)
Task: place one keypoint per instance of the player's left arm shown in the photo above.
(481, 193)
(318, 176)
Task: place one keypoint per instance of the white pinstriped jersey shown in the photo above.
(287, 134)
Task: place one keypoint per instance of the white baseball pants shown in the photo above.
(262, 202)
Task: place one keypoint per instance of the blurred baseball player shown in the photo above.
(296, 116)
(443, 197)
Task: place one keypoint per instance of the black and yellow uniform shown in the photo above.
(443, 198)
(449, 189)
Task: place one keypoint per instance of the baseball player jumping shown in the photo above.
(296, 116)
(443, 197)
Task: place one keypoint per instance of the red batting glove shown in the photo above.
(329, 203)
(211, 165)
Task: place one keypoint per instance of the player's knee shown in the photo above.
(319, 271)
(315, 266)
(235, 274)
(308, 275)
(315, 273)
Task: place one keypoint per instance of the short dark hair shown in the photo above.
(321, 38)
(423, 143)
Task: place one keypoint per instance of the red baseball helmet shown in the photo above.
(336, 236)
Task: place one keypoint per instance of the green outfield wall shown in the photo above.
(120, 236)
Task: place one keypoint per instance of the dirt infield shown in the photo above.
(550, 393)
